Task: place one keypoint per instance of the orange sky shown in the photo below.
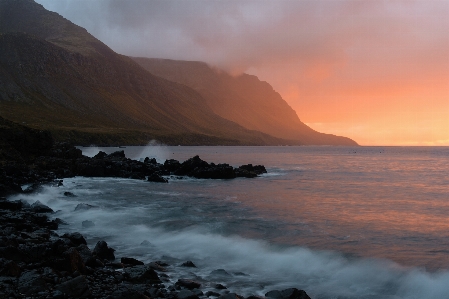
(376, 71)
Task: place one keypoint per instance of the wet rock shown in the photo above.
(117, 154)
(11, 205)
(73, 261)
(190, 165)
(171, 165)
(60, 221)
(100, 155)
(88, 224)
(102, 251)
(76, 238)
(188, 284)
(131, 261)
(84, 207)
(69, 194)
(219, 286)
(156, 178)
(39, 207)
(220, 272)
(291, 293)
(188, 264)
(141, 274)
(30, 283)
(9, 268)
(231, 296)
(186, 294)
(156, 266)
(76, 287)
(127, 293)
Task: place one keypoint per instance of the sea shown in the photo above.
(337, 222)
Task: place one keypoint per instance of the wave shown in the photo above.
(254, 266)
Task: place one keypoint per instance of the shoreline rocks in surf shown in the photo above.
(37, 262)
(64, 160)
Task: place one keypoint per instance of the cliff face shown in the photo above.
(243, 99)
(56, 76)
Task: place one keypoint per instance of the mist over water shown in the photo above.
(336, 222)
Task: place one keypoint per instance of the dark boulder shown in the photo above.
(291, 293)
(76, 238)
(231, 296)
(100, 155)
(171, 165)
(220, 171)
(188, 264)
(190, 165)
(157, 178)
(11, 205)
(220, 272)
(69, 194)
(130, 261)
(39, 207)
(186, 294)
(117, 154)
(188, 284)
(75, 288)
(102, 251)
(141, 274)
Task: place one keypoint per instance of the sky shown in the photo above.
(376, 71)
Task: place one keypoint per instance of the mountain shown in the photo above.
(56, 76)
(244, 99)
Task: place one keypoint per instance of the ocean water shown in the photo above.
(338, 222)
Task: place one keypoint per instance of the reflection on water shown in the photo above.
(387, 202)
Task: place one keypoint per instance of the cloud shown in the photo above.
(321, 55)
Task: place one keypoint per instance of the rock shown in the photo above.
(220, 272)
(150, 161)
(141, 274)
(291, 293)
(219, 286)
(39, 207)
(84, 207)
(189, 284)
(188, 264)
(220, 171)
(127, 293)
(100, 155)
(156, 178)
(9, 268)
(102, 251)
(171, 165)
(117, 154)
(231, 296)
(156, 266)
(186, 294)
(30, 283)
(76, 287)
(88, 224)
(11, 205)
(73, 261)
(190, 165)
(60, 221)
(76, 238)
(131, 261)
(69, 194)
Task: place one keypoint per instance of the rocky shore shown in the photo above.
(37, 262)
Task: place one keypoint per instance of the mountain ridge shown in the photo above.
(58, 77)
(244, 99)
